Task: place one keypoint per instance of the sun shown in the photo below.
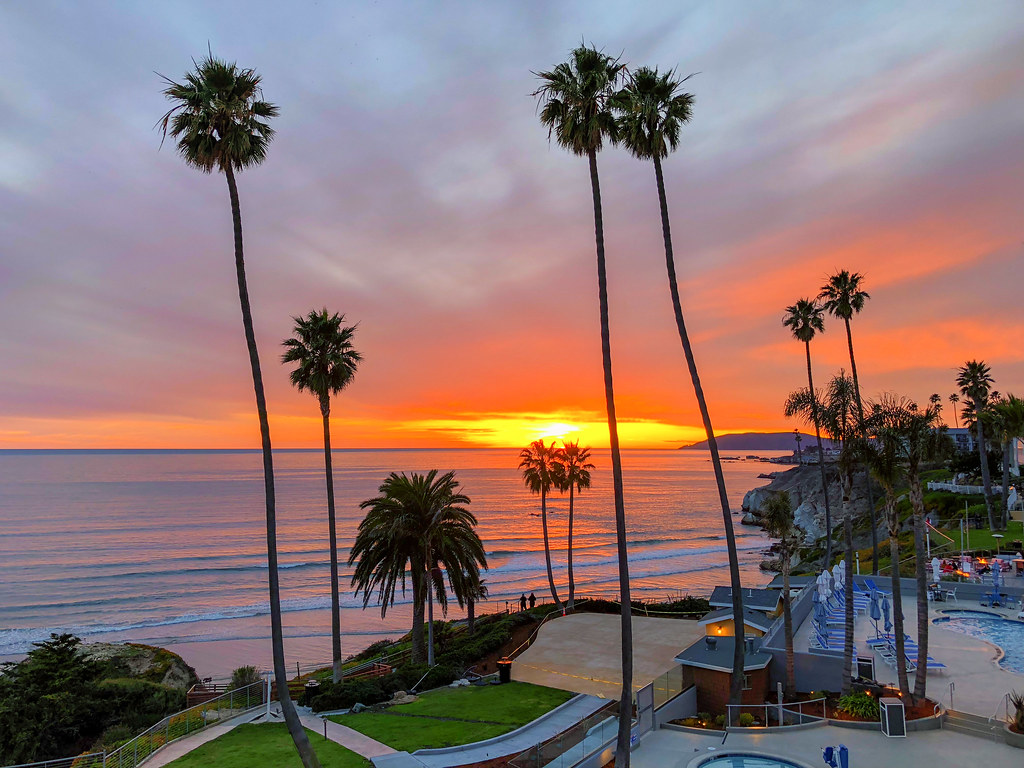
(556, 430)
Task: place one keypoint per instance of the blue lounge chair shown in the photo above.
(874, 588)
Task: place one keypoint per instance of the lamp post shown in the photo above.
(799, 453)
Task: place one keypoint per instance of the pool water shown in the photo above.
(1006, 633)
(747, 761)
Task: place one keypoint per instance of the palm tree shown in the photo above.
(652, 109)
(954, 399)
(220, 122)
(414, 526)
(477, 591)
(327, 363)
(883, 455)
(1010, 420)
(573, 467)
(540, 468)
(777, 520)
(805, 320)
(575, 98)
(842, 297)
(975, 382)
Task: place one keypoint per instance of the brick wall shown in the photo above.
(713, 689)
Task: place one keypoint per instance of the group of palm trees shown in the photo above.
(585, 102)
(566, 469)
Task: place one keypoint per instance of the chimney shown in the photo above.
(711, 642)
(748, 643)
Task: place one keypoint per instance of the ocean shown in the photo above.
(168, 547)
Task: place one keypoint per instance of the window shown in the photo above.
(746, 682)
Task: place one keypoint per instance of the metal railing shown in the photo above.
(571, 746)
(793, 713)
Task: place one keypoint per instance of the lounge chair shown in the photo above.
(874, 588)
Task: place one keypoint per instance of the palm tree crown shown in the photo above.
(651, 112)
(323, 349)
(975, 380)
(219, 118)
(841, 296)
(575, 98)
(540, 466)
(805, 319)
(572, 467)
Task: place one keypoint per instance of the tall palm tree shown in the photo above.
(416, 525)
(575, 103)
(477, 591)
(1009, 413)
(842, 297)
(322, 347)
(572, 474)
(652, 109)
(883, 455)
(954, 399)
(220, 122)
(540, 467)
(805, 320)
(777, 520)
(975, 381)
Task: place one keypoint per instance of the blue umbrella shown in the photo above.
(875, 611)
(885, 614)
(996, 575)
(815, 597)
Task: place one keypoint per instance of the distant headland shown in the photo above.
(755, 441)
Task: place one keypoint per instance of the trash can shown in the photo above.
(309, 690)
(505, 670)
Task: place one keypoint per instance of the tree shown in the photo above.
(954, 399)
(573, 466)
(540, 468)
(415, 525)
(975, 381)
(652, 109)
(219, 119)
(842, 297)
(777, 521)
(327, 362)
(805, 320)
(477, 591)
(1009, 413)
(575, 103)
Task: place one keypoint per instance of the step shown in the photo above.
(965, 717)
(988, 731)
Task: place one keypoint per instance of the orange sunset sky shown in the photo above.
(412, 188)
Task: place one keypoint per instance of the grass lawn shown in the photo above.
(265, 746)
(451, 716)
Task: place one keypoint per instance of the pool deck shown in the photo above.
(980, 683)
(925, 749)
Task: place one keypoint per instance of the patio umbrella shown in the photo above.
(885, 613)
(815, 597)
(996, 575)
(875, 611)
(936, 569)
(837, 575)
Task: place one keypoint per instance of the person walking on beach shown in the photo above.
(522, 602)
(533, 600)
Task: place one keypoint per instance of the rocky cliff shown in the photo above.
(804, 486)
(144, 662)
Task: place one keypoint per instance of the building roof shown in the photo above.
(754, 619)
(754, 599)
(719, 658)
(795, 582)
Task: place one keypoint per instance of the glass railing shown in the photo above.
(571, 746)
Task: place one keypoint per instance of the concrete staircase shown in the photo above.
(973, 725)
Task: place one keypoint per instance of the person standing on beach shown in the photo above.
(522, 602)
(533, 600)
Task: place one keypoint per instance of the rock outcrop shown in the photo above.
(145, 662)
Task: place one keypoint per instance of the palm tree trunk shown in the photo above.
(298, 733)
(736, 683)
(867, 474)
(572, 582)
(418, 607)
(897, 591)
(626, 697)
(986, 476)
(547, 548)
(337, 674)
(921, 673)
(821, 459)
(848, 587)
(429, 581)
(787, 622)
(471, 616)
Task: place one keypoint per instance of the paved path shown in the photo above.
(511, 743)
(582, 652)
(923, 749)
(347, 737)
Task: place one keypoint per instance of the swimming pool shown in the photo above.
(1006, 633)
(739, 760)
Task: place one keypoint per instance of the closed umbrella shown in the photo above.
(837, 575)
(885, 614)
(875, 611)
(936, 569)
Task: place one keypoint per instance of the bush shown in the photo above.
(140, 702)
(113, 737)
(746, 719)
(720, 721)
(860, 705)
(244, 676)
(1017, 721)
(349, 692)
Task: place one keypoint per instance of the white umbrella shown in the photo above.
(936, 569)
(837, 574)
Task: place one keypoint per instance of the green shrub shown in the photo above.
(244, 676)
(140, 702)
(1017, 718)
(113, 737)
(720, 721)
(746, 719)
(860, 705)
(347, 693)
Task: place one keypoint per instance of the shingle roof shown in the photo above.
(754, 599)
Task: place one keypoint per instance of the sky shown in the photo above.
(411, 187)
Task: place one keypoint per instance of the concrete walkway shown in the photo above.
(347, 737)
(512, 743)
(182, 747)
(924, 749)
